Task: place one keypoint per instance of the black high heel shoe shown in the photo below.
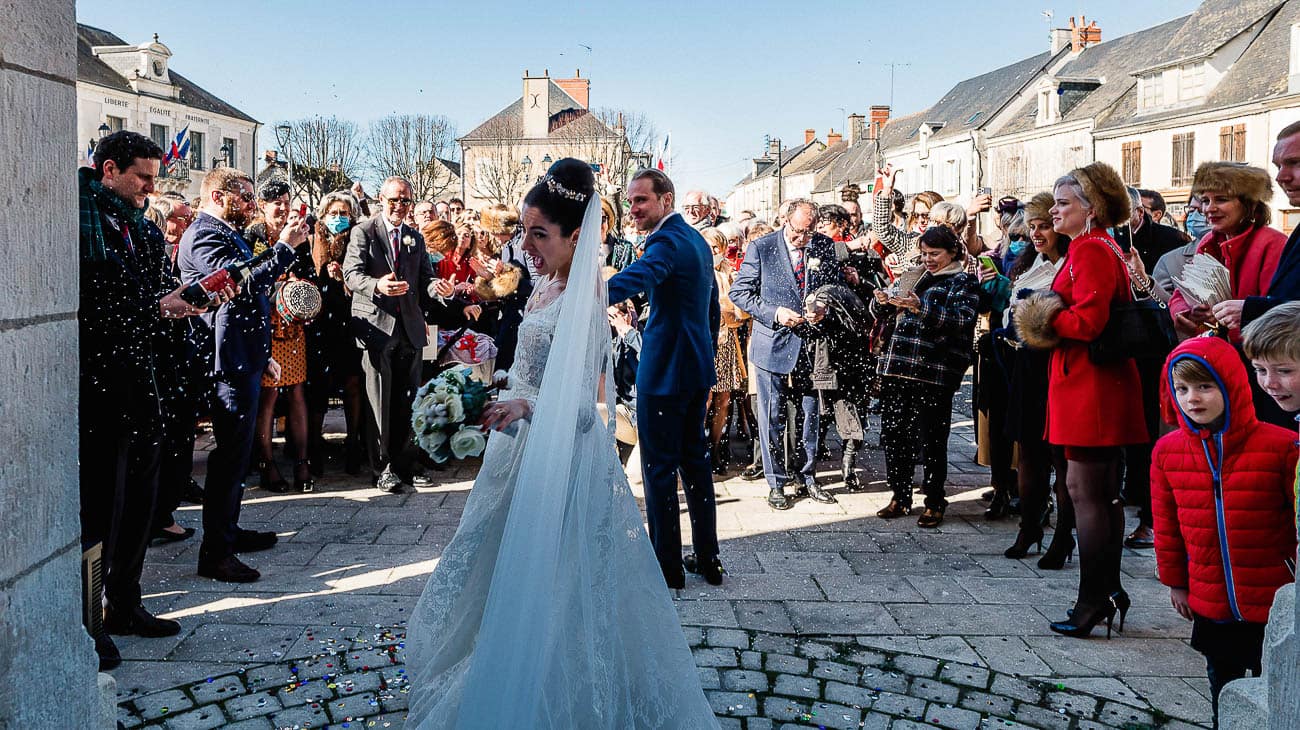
(278, 485)
(999, 506)
(305, 483)
(1059, 552)
(1081, 623)
(1020, 548)
(1122, 603)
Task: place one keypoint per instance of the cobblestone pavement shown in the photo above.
(829, 617)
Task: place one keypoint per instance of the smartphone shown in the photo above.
(302, 211)
(986, 191)
(986, 261)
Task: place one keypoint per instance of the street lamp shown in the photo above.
(547, 160)
(526, 162)
(283, 135)
(103, 132)
(224, 159)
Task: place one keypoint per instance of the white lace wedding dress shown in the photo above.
(547, 609)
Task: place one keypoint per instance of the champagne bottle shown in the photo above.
(201, 293)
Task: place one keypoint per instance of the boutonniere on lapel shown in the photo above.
(814, 264)
(408, 242)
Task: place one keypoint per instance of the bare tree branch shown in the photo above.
(499, 174)
(412, 146)
(326, 153)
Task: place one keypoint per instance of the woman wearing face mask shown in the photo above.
(333, 360)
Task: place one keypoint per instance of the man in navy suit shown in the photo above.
(238, 338)
(779, 270)
(675, 373)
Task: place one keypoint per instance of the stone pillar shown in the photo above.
(46, 659)
(1273, 700)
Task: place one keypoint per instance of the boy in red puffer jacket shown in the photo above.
(1222, 496)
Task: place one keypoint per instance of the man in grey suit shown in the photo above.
(393, 286)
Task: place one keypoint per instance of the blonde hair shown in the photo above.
(1275, 335)
(949, 214)
(717, 240)
(221, 178)
(159, 210)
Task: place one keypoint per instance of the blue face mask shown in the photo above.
(1018, 246)
(337, 224)
(1197, 226)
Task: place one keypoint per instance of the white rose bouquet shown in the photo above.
(445, 415)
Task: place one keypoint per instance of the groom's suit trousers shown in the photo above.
(670, 431)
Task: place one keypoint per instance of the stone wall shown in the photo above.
(46, 659)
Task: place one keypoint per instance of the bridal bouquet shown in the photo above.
(445, 415)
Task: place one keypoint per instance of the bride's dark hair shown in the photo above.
(562, 193)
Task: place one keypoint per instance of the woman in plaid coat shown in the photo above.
(921, 368)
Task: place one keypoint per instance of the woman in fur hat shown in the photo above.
(505, 283)
(1234, 198)
(1092, 410)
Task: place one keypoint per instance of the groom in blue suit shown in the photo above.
(675, 374)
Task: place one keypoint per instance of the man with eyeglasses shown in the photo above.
(779, 271)
(455, 207)
(237, 338)
(697, 211)
(393, 286)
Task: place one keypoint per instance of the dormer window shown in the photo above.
(1151, 91)
(1049, 102)
(923, 150)
(1191, 83)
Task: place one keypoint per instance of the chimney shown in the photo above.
(832, 138)
(577, 87)
(879, 117)
(809, 135)
(1060, 39)
(270, 156)
(773, 149)
(857, 130)
(537, 106)
(1082, 36)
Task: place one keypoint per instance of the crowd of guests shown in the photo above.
(827, 318)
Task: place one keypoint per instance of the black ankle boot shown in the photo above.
(847, 467)
(999, 506)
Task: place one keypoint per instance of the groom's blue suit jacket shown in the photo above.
(680, 338)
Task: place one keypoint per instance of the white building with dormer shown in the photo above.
(125, 86)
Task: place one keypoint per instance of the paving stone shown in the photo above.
(312, 691)
(867, 658)
(694, 636)
(356, 682)
(303, 716)
(362, 705)
(965, 674)
(730, 723)
(836, 671)
(988, 704)
(741, 680)
(783, 709)
(947, 648)
(772, 644)
(899, 705)
(828, 617)
(715, 657)
(792, 686)
(830, 715)
(758, 723)
(1008, 655)
(786, 664)
(709, 678)
(1174, 697)
(254, 723)
(162, 704)
(763, 616)
(848, 694)
(751, 660)
(215, 689)
(875, 721)
(733, 638)
(916, 666)
(204, 718)
(1004, 686)
(1041, 717)
(955, 718)
(1079, 705)
(257, 704)
(1120, 715)
(732, 704)
(885, 681)
(934, 691)
(817, 650)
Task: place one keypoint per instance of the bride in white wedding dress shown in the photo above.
(547, 609)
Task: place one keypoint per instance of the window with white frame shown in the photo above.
(1295, 49)
(1191, 83)
(1151, 91)
(952, 177)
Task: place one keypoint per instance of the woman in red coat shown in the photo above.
(1092, 410)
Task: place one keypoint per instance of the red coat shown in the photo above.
(1251, 258)
(1087, 404)
(1225, 543)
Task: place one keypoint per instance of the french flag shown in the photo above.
(180, 146)
(665, 153)
(90, 154)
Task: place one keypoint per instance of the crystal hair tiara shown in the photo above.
(555, 186)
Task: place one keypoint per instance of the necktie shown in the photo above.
(392, 238)
(798, 269)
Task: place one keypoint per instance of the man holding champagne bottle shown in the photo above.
(240, 346)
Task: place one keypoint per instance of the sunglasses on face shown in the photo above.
(398, 202)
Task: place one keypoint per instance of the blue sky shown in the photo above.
(717, 75)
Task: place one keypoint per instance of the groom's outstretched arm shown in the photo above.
(646, 272)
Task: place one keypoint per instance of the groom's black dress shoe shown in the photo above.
(818, 494)
(229, 569)
(251, 541)
(140, 623)
(711, 569)
(675, 579)
(109, 656)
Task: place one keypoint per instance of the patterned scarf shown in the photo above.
(93, 198)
